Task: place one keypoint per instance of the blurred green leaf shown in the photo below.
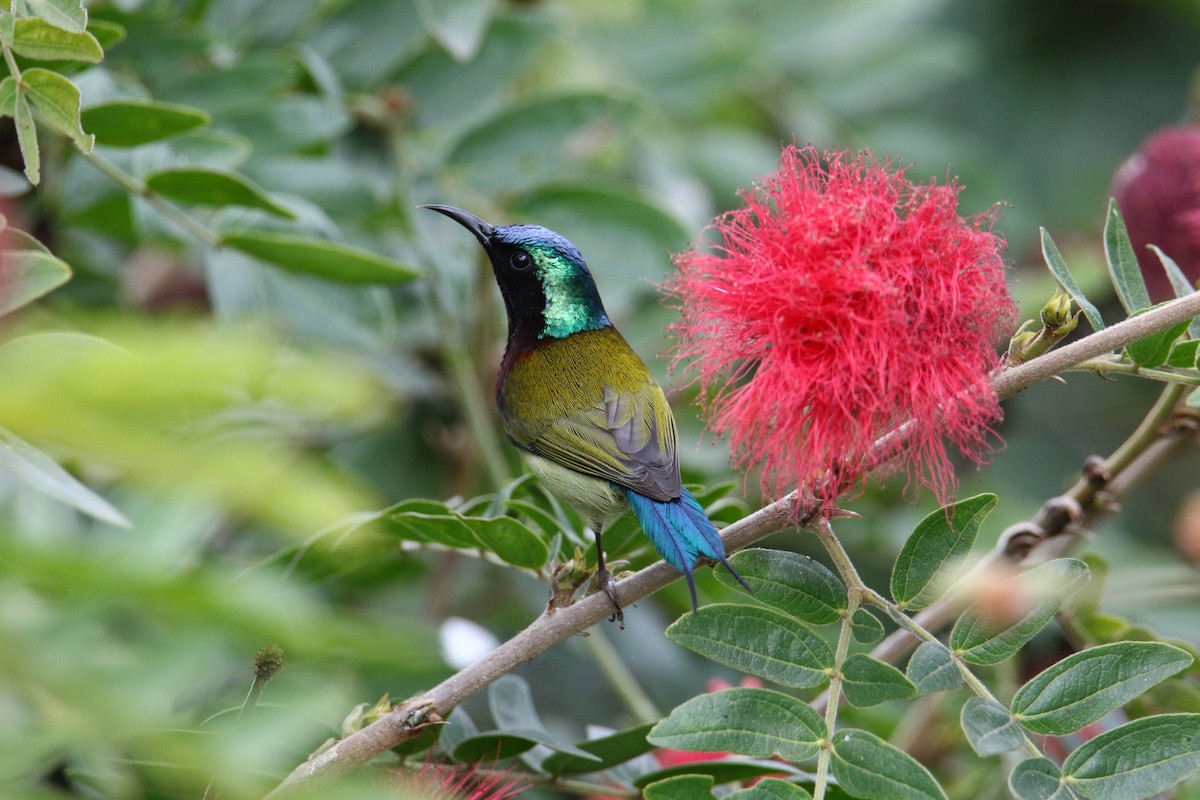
(8, 97)
(1038, 779)
(45, 475)
(106, 32)
(982, 638)
(990, 727)
(325, 259)
(37, 39)
(870, 768)
(719, 769)
(511, 704)
(931, 669)
(213, 187)
(790, 582)
(28, 275)
(1122, 263)
(757, 641)
(528, 144)
(940, 540)
(681, 787)
(1054, 261)
(66, 14)
(750, 722)
(772, 789)
(613, 749)
(1086, 686)
(869, 682)
(1138, 759)
(457, 25)
(129, 123)
(429, 521)
(57, 99)
(27, 137)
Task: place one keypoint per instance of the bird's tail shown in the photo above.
(681, 532)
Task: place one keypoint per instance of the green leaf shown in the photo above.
(493, 746)
(66, 14)
(757, 641)
(772, 789)
(681, 787)
(750, 722)
(28, 275)
(530, 143)
(511, 704)
(57, 99)
(429, 521)
(721, 769)
(1193, 399)
(1038, 779)
(932, 669)
(615, 748)
(1122, 262)
(940, 540)
(457, 25)
(866, 627)
(1179, 282)
(1138, 759)
(790, 582)
(1184, 354)
(129, 123)
(325, 259)
(869, 768)
(8, 97)
(39, 40)
(990, 727)
(106, 33)
(43, 473)
(213, 187)
(869, 682)
(1153, 350)
(1086, 686)
(1054, 261)
(27, 138)
(980, 638)
(512, 540)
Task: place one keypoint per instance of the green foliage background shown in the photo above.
(262, 342)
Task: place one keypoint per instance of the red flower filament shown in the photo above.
(841, 302)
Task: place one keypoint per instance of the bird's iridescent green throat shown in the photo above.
(572, 303)
(548, 291)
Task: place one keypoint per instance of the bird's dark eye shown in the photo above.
(520, 260)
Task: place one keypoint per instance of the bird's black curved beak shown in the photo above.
(482, 230)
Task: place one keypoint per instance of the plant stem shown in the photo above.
(855, 589)
(1119, 365)
(620, 678)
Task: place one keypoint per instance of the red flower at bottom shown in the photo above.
(842, 301)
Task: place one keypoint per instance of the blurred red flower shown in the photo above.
(1158, 192)
(434, 781)
(840, 302)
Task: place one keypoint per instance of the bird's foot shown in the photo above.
(608, 585)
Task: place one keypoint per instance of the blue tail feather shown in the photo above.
(681, 532)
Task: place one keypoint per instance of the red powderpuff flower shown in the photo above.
(435, 781)
(841, 302)
(1158, 192)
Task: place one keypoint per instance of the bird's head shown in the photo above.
(548, 290)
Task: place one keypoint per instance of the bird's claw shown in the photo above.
(608, 585)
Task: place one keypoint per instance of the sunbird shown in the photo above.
(589, 418)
